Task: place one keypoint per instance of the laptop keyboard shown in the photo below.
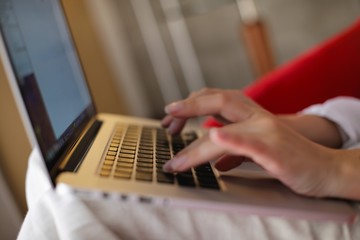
(139, 153)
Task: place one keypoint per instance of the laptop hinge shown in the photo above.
(82, 147)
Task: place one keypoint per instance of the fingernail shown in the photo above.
(174, 107)
(174, 164)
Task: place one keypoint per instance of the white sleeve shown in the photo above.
(343, 111)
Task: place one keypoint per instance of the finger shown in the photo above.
(175, 106)
(173, 125)
(172, 107)
(167, 121)
(195, 106)
(200, 151)
(239, 140)
(276, 149)
(176, 126)
(211, 104)
(229, 162)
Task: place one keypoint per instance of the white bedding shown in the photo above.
(62, 215)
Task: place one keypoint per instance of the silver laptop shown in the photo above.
(118, 156)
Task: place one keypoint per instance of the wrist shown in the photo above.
(314, 128)
(344, 183)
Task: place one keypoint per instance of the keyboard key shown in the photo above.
(205, 168)
(146, 148)
(124, 165)
(128, 147)
(109, 153)
(163, 151)
(127, 151)
(145, 160)
(113, 149)
(144, 176)
(185, 180)
(144, 169)
(110, 157)
(176, 138)
(144, 151)
(205, 175)
(210, 185)
(162, 146)
(124, 155)
(122, 175)
(163, 161)
(124, 170)
(114, 145)
(144, 165)
(129, 143)
(126, 160)
(140, 155)
(105, 173)
(146, 144)
(108, 162)
(159, 165)
(207, 179)
(146, 139)
(106, 168)
(163, 157)
(165, 177)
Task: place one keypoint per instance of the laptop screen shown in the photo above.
(47, 69)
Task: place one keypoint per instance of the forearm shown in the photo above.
(317, 129)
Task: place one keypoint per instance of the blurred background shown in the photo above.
(139, 55)
(164, 49)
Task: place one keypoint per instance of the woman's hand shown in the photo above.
(251, 132)
(210, 102)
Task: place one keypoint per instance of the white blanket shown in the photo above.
(62, 215)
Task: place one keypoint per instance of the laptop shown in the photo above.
(120, 157)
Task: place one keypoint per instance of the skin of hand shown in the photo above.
(250, 132)
(315, 128)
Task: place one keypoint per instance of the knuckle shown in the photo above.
(192, 94)
(202, 91)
